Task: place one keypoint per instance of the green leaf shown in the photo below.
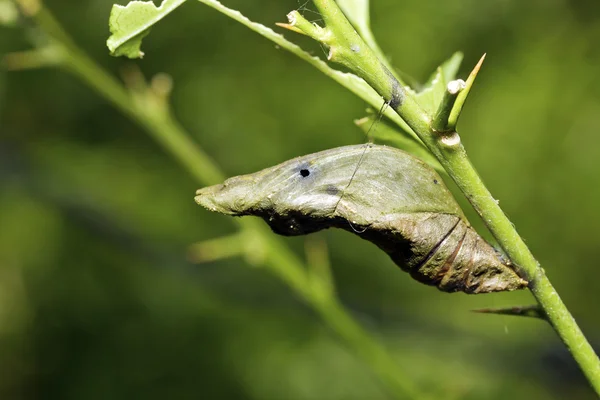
(357, 12)
(430, 96)
(131, 23)
(383, 132)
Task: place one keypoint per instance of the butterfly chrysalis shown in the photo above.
(395, 200)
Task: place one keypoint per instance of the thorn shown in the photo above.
(462, 96)
(475, 71)
(298, 23)
(532, 311)
(290, 27)
(361, 121)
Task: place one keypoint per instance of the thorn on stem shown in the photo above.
(477, 67)
(462, 96)
(532, 311)
(298, 23)
(289, 27)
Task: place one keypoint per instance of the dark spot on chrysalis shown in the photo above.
(435, 181)
(332, 190)
(304, 172)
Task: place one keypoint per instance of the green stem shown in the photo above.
(447, 147)
(345, 326)
(346, 47)
(279, 259)
(350, 81)
(160, 125)
(457, 164)
(441, 120)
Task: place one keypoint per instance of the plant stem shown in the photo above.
(350, 81)
(344, 325)
(160, 125)
(156, 119)
(441, 120)
(347, 48)
(460, 168)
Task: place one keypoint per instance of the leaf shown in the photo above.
(357, 12)
(383, 132)
(131, 23)
(449, 68)
(430, 96)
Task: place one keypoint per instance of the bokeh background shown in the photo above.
(99, 300)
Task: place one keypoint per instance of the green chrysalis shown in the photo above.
(394, 200)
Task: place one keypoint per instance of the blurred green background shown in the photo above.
(98, 299)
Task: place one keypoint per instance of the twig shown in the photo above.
(347, 48)
(147, 107)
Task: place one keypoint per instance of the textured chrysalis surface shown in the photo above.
(393, 200)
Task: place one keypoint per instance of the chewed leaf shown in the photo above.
(431, 95)
(131, 23)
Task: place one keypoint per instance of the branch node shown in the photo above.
(298, 23)
(441, 121)
(456, 86)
